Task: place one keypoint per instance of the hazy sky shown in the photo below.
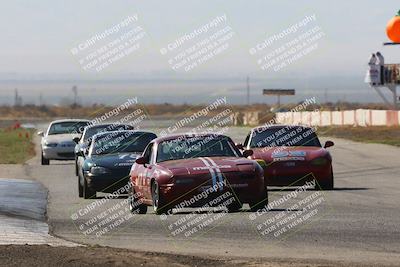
(37, 36)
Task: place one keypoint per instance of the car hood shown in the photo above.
(116, 160)
(204, 164)
(288, 153)
(60, 138)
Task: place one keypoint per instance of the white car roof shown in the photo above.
(69, 120)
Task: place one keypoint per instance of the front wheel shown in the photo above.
(80, 187)
(87, 192)
(159, 205)
(235, 206)
(325, 185)
(261, 203)
(76, 167)
(136, 205)
(44, 160)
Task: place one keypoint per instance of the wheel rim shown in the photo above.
(131, 203)
(156, 196)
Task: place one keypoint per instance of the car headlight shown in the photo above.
(98, 170)
(319, 161)
(50, 144)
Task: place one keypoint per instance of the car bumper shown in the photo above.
(248, 191)
(58, 153)
(108, 183)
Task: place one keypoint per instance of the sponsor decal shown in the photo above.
(129, 163)
(289, 158)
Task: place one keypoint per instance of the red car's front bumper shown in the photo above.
(250, 190)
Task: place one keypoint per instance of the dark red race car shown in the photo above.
(291, 155)
(196, 170)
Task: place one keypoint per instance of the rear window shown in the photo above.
(70, 127)
(121, 142)
(91, 131)
(285, 136)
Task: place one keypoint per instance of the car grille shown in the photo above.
(66, 154)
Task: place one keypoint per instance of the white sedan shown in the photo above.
(57, 142)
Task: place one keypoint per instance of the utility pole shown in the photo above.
(17, 98)
(41, 103)
(248, 90)
(75, 91)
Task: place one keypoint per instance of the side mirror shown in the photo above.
(141, 161)
(328, 144)
(239, 146)
(76, 140)
(247, 153)
(40, 133)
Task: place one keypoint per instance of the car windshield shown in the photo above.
(285, 136)
(91, 131)
(194, 147)
(70, 127)
(119, 142)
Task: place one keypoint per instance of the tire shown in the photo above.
(235, 206)
(80, 187)
(159, 205)
(44, 160)
(133, 207)
(87, 192)
(261, 203)
(76, 167)
(325, 185)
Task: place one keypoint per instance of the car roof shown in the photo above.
(187, 135)
(106, 125)
(69, 120)
(278, 126)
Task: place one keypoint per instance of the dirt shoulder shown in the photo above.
(44, 255)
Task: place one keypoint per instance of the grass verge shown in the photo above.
(376, 134)
(16, 146)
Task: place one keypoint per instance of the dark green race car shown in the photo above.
(105, 165)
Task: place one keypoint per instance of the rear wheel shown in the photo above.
(45, 161)
(87, 192)
(261, 203)
(159, 204)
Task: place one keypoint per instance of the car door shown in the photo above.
(143, 172)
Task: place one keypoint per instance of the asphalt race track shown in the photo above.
(358, 221)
